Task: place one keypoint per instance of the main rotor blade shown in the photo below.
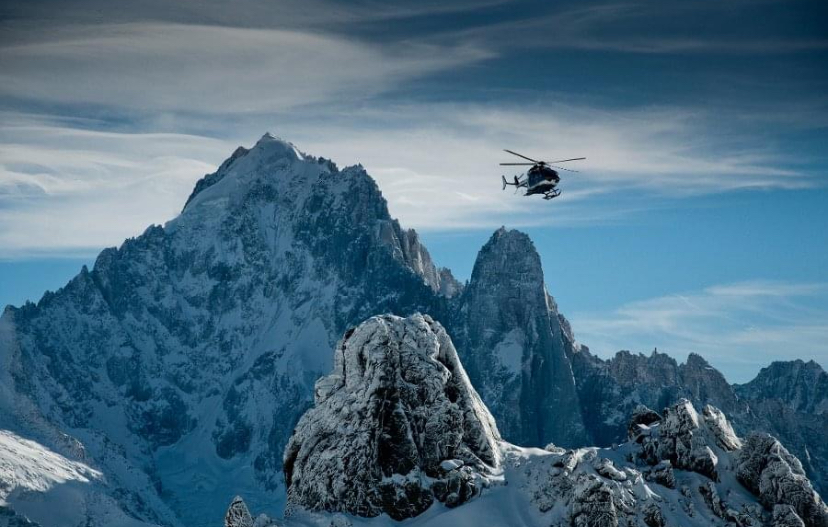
(520, 155)
(562, 168)
(565, 160)
(517, 164)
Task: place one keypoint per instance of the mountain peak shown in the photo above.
(277, 147)
(270, 154)
(803, 385)
(511, 235)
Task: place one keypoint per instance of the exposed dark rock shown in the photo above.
(515, 345)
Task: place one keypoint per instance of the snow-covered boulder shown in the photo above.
(395, 426)
(238, 514)
(773, 474)
(681, 438)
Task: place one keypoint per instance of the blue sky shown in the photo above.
(698, 222)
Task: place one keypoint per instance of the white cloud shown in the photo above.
(738, 327)
(66, 190)
(422, 155)
(157, 67)
(64, 187)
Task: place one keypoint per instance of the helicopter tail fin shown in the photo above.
(504, 182)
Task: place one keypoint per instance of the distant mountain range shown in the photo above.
(178, 366)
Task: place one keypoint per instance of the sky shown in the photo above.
(697, 223)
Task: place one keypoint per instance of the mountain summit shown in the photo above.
(515, 345)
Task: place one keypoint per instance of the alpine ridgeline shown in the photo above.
(787, 399)
(174, 371)
(398, 427)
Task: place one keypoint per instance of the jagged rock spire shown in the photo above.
(515, 345)
(395, 426)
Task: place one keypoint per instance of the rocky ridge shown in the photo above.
(784, 400)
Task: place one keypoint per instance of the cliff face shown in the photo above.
(514, 344)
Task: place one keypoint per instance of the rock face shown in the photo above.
(394, 427)
(768, 470)
(515, 345)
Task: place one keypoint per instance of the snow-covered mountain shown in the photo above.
(178, 366)
(786, 399)
(183, 359)
(398, 432)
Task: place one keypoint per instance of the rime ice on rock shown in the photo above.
(776, 477)
(394, 427)
(237, 514)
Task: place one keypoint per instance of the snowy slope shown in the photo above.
(52, 491)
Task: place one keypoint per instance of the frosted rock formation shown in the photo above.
(237, 514)
(514, 344)
(776, 477)
(394, 427)
(787, 399)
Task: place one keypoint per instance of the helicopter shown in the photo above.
(542, 178)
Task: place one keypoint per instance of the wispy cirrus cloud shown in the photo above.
(213, 70)
(738, 327)
(64, 187)
(68, 191)
(646, 28)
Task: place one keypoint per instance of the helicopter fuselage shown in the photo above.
(541, 180)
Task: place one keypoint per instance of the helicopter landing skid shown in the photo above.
(552, 194)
